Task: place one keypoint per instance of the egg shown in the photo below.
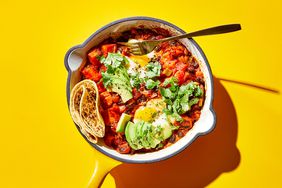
(142, 60)
(144, 113)
(150, 112)
(157, 104)
(161, 121)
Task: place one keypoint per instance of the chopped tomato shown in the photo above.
(101, 87)
(136, 93)
(170, 64)
(164, 45)
(147, 93)
(186, 76)
(113, 115)
(104, 94)
(91, 72)
(106, 48)
(166, 72)
(103, 68)
(187, 121)
(183, 59)
(199, 74)
(181, 66)
(180, 77)
(178, 52)
(115, 98)
(196, 114)
(106, 99)
(93, 57)
(105, 116)
(115, 108)
(123, 148)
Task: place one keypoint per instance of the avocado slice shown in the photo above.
(139, 132)
(124, 118)
(130, 135)
(162, 128)
(137, 139)
(122, 89)
(154, 141)
(167, 131)
(146, 135)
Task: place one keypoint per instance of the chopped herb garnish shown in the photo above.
(153, 69)
(150, 84)
(179, 99)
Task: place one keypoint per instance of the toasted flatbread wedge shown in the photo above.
(89, 109)
(84, 103)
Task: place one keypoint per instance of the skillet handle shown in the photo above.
(103, 166)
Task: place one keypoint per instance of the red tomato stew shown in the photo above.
(147, 102)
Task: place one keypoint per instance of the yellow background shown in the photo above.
(40, 146)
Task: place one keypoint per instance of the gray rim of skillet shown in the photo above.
(131, 19)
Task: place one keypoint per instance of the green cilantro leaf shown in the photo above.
(193, 101)
(172, 81)
(150, 84)
(153, 69)
(106, 79)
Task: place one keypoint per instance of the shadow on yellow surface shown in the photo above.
(250, 85)
(198, 165)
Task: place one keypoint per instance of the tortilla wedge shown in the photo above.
(84, 109)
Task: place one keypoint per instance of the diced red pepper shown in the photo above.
(91, 72)
(106, 48)
(93, 57)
